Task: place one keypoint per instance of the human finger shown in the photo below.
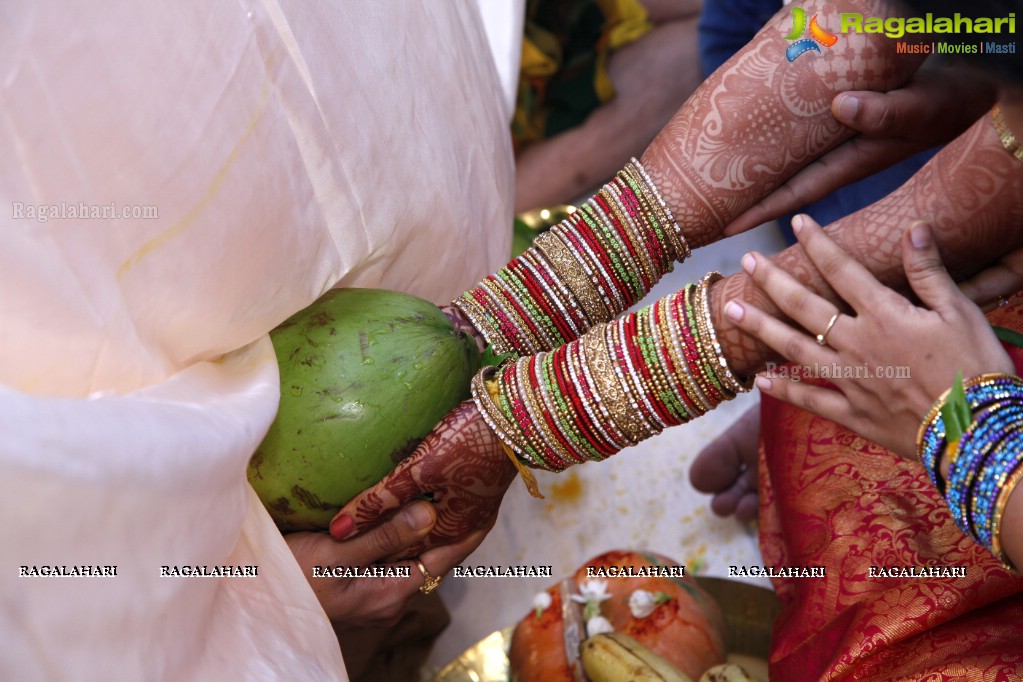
(792, 344)
(381, 600)
(459, 465)
(997, 282)
(992, 286)
(379, 501)
(741, 500)
(413, 478)
(439, 561)
(721, 462)
(732, 500)
(812, 312)
(391, 537)
(936, 106)
(851, 281)
(848, 163)
(926, 272)
(331, 569)
(427, 570)
(824, 402)
(898, 113)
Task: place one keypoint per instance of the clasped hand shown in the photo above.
(878, 330)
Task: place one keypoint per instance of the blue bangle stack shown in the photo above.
(988, 460)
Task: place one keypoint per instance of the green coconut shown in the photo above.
(365, 375)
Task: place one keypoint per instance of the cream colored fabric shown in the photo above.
(287, 148)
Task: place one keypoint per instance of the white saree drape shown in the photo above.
(234, 159)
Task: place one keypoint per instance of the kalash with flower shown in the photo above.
(672, 617)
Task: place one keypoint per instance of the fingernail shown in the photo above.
(797, 224)
(342, 526)
(846, 108)
(920, 235)
(734, 311)
(763, 383)
(749, 263)
(417, 516)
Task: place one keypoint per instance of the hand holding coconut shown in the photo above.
(366, 375)
(358, 602)
(459, 465)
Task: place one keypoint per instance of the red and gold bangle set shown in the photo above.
(584, 386)
(589, 268)
(619, 384)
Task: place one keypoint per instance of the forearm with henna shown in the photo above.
(753, 124)
(758, 119)
(460, 463)
(971, 194)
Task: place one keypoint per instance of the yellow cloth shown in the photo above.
(564, 85)
(628, 23)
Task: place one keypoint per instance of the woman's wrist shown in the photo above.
(619, 384)
(981, 466)
(1006, 130)
(464, 325)
(1008, 544)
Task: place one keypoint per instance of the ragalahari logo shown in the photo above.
(818, 36)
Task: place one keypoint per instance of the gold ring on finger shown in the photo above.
(429, 582)
(822, 339)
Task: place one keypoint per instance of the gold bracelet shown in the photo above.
(931, 415)
(996, 525)
(566, 267)
(733, 382)
(1005, 135)
(485, 388)
(607, 386)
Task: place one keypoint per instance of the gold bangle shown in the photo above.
(485, 389)
(569, 271)
(673, 338)
(735, 383)
(996, 524)
(1005, 135)
(609, 390)
(671, 226)
(631, 235)
(478, 317)
(932, 414)
(495, 288)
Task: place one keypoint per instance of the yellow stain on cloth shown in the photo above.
(211, 191)
(568, 489)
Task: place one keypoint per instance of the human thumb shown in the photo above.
(924, 269)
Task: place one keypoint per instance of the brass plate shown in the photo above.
(749, 611)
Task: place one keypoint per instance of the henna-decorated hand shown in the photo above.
(936, 106)
(461, 323)
(460, 465)
(894, 358)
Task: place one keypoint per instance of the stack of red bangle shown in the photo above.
(594, 265)
(619, 384)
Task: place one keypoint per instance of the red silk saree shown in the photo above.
(831, 498)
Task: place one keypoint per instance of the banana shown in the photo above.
(614, 657)
(726, 672)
